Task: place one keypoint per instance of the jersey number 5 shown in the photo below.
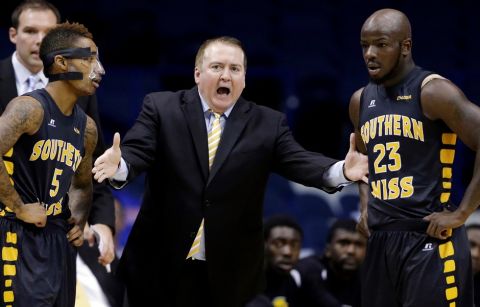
(55, 182)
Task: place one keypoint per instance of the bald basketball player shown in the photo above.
(407, 121)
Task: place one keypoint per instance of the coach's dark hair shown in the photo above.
(39, 5)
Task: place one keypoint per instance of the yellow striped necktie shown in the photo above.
(213, 141)
(214, 138)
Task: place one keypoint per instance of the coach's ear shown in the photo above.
(406, 46)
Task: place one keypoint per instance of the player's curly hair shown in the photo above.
(63, 36)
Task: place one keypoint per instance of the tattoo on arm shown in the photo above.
(80, 193)
(23, 115)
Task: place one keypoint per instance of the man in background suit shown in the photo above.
(23, 72)
(203, 208)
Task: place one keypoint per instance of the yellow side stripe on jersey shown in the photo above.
(449, 266)
(9, 253)
(9, 270)
(8, 296)
(447, 156)
(449, 138)
(11, 237)
(444, 197)
(9, 167)
(447, 172)
(450, 279)
(451, 293)
(9, 153)
(446, 250)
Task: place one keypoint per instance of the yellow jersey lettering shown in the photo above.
(55, 208)
(376, 192)
(46, 150)
(392, 124)
(56, 150)
(388, 125)
(366, 131)
(404, 97)
(69, 155)
(37, 150)
(393, 190)
(417, 130)
(59, 150)
(389, 189)
(53, 150)
(407, 187)
(381, 119)
(407, 127)
(396, 125)
(373, 128)
(78, 160)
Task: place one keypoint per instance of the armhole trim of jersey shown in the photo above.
(430, 78)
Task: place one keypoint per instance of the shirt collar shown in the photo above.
(206, 108)
(22, 73)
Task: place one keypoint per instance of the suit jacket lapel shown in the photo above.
(233, 128)
(192, 108)
(8, 88)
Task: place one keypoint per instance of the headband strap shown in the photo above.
(69, 53)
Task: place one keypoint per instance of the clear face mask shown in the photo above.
(97, 70)
(96, 67)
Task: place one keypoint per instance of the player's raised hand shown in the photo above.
(107, 164)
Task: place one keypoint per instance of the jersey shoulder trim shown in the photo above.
(430, 78)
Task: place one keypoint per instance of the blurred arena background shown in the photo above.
(304, 59)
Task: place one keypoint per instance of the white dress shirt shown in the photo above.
(22, 74)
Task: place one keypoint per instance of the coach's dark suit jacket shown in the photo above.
(103, 210)
(169, 142)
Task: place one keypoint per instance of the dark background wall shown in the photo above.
(304, 59)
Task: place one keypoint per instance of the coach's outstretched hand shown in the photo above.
(356, 163)
(107, 164)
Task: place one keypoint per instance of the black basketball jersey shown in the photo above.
(41, 166)
(410, 157)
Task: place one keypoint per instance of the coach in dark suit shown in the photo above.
(30, 22)
(202, 207)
